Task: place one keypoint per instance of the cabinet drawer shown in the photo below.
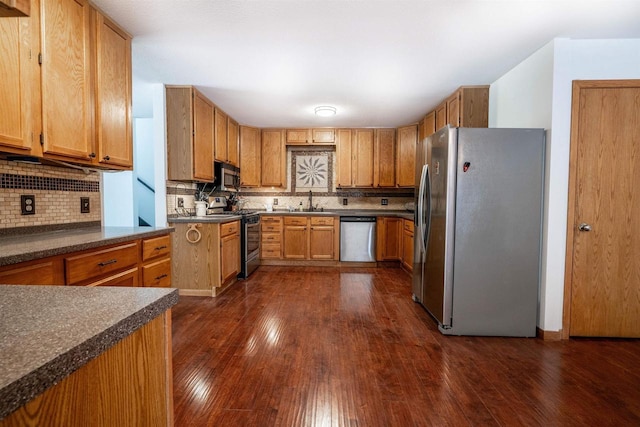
(270, 238)
(408, 225)
(321, 220)
(271, 227)
(101, 262)
(126, 278)
(292, 220)
(156, 247)
(42, 272)
(157, 274)
(270, 250)
(229, 228)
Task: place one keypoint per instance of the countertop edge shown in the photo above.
(45, 253)
(21, 391)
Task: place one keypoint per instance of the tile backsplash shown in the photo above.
(57, 192)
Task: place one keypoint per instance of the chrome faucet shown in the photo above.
(310, 201)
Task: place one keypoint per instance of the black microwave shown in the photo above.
(227, 177)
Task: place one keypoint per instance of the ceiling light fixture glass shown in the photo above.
(325, 111)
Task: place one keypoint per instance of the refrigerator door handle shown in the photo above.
(421, 216)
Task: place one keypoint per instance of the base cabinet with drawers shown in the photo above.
(299, 238)
(139, 262)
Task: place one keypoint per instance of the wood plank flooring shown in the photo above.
(311, 346)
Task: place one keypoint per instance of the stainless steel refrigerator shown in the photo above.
(478, 228)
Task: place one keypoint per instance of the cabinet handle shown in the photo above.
(107, 158)
(159, 248)
(104, 263)
(161, 276)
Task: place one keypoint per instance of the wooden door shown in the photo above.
(202, 138)
(229, 257)
(232, 147)
(427, 125)
(295, 241)
(274, 155)
(385, 158)
(221, 152)
(388, 238)
(297, 136)
(19, 108)
(250, 164)
(113, 93)
(344, 157)
(602, 296)
(67, 88)
(363, 158)
(453, 109)
(441, 115)
(321, 238)
(406, 167)
(407, 244)
(323, 136)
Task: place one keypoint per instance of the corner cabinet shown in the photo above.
(190, 125)
(466, 107)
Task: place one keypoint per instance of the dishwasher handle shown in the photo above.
(357, 219)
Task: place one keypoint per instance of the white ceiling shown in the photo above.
(380, 62)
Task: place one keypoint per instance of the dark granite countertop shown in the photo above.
(345, 212)
(48, 332)
(19, 248)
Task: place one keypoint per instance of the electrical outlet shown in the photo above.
(180, 202)
(28, 204)
(345, 202)
(85, 206)
(275, 202)
(384, 202)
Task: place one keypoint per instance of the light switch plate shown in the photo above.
(85, 206)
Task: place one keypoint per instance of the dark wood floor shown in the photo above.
(306, 346)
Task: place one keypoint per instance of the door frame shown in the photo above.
(577, 86)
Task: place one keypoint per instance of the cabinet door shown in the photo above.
(363, 154)
(407, 248)
(40, 272)
(388, 238)
(229, 257)
(323, 136)
(453, 109)
(295, 242)
(67, 88)
(385, 154)
(441, 115)
(274, 155)
(321, 238)
(221, 153)
(297, 136)
(344, 157)
(113, 93)
(428, 125)
(232, 147)
(406, 166)
(19, 108)
(14, 8)
(250, 163)
(203, 137)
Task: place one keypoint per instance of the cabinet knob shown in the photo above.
(92, 155)
(107, 158)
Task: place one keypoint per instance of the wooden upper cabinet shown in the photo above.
(19, 86)
(427, 125)
(250, 157)
(67, 86)
(274, 156)
(473, 107)
(453, 110)
(344, 157)
(406, 159)
(320, 136)
(14, 8)
(113, 93)
(221, 137)
(190, 118)
(441, 115)
(233, 142)
(385, 158)
(363, 148)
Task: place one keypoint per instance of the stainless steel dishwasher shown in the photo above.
(358, 238)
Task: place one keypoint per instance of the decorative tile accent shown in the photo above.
(26, 182)
(312, 173)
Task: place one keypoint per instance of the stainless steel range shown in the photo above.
(249, 236)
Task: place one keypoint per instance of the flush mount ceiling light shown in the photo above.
(325, 111)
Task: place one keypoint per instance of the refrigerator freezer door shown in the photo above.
(438, 267)
(418, 242)
(497, 231)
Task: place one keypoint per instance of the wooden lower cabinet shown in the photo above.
(388, 238)
(295, 238)
(407, 245)
(299, 238)
(322, 238)
(206, 257)
(131, 383)
(139, 262)
(270, 237)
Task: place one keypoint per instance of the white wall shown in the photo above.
(160, 152)
(572, 60)
(117, 199)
